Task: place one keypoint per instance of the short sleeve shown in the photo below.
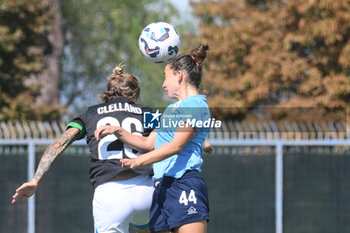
(196, 114)
(78, 122)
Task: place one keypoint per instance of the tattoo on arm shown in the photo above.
(54, 150)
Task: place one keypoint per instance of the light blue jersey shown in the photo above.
(194, 112)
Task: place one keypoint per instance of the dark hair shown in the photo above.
(120, 84)
(191, 63)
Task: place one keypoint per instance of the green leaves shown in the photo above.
(24, 25)
(104, 34)
(98, 36)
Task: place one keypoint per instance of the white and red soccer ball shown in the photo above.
(159, 42)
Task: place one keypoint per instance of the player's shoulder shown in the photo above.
(98, 105)
(194, 101)
(145, 108)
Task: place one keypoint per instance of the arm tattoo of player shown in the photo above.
(54, 150)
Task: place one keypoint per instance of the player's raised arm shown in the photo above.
(137, 142)
(51, 153)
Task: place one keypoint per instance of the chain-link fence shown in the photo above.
(259, 182)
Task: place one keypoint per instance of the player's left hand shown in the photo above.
(105, 129)
(207, 147)
(129, 163)
(25, 191)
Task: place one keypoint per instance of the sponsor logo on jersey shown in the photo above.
(192, 210)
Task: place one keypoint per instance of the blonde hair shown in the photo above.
(121, 84)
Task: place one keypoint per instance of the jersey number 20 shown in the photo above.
(103, 152)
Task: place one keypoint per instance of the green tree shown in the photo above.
(24, 29)
(102, 34)
(274, 53)
(94, 35)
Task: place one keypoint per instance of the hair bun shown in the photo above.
(199, 54)
(118, 70)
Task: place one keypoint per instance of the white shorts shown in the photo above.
(118, 203)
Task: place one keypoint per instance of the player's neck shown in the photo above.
(187, 91)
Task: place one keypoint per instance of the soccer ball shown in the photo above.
(159, 42)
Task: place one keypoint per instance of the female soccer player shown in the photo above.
(180, 201)
(121, 195)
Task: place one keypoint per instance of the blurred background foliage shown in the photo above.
(101, 35)
(270, 57)
(24, 43)
(266, 59)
